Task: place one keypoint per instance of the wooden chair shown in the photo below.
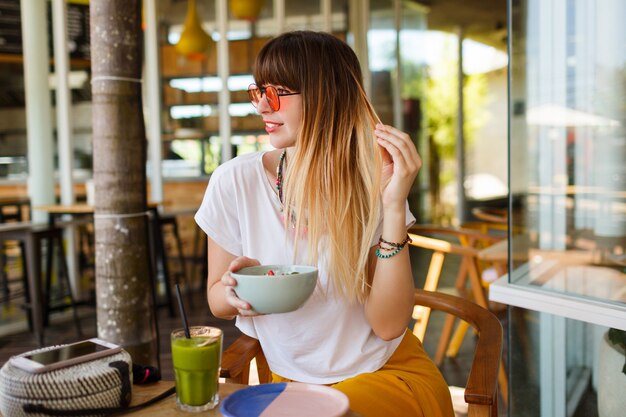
(443, 241)
(481, 387)
(491, 214)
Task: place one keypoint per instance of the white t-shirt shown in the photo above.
(325, 341)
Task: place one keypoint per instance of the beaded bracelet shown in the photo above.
(394, 250)
(389, 255)
(393, 244)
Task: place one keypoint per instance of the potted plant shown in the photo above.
(612, 374)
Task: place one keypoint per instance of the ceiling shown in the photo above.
(482, 20)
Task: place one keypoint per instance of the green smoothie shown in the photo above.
(196, 366)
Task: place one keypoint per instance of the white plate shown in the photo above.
(286, 400)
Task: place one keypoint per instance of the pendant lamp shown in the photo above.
(194, 42)
(246, 9)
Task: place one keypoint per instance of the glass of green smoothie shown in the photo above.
(197, 363)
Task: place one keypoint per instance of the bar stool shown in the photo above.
(6, 283)
(11, 210)
(200, 257)
(39, 301)
(160, 223)
(168, 221)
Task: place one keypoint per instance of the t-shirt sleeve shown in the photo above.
(217, 215)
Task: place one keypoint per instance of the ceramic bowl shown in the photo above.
(286, 290)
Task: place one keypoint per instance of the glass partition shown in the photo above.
(568, 147)
(567, 153)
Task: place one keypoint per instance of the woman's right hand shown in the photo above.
(243, 307)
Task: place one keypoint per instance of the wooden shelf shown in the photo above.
(241, 55)
(177, 97)
(19, 59)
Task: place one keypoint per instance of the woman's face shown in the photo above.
(282, 125)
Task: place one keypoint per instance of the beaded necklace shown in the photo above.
(282, 161)
(279, 175)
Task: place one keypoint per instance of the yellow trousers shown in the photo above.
(408, 385)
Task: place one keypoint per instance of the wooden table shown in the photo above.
(60, 209)
(498, 253)
(167, 407)
(56, 211)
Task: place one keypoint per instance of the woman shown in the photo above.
(333, 194)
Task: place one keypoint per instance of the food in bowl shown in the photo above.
(286, 290)
(271, 273)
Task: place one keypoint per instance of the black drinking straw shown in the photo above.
(182, 312)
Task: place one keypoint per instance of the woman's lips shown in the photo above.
(271, 126)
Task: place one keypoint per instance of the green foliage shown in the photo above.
(441, 106)
(413, 83)
(437, 88)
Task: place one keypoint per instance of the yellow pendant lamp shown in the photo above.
(194, 42)
(246, 9)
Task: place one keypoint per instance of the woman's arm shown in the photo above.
(390, 302)
(223, 300)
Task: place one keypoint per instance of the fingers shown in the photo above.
(399, 145)
(242, 262)
(243, 308)
(233, 300)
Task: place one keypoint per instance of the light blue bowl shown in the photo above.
(281, 293)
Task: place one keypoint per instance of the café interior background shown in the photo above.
(539, 129)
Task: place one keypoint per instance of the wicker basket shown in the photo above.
(101, 383)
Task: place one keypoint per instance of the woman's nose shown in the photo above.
(263, 106)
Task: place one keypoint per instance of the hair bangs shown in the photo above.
(280, 62)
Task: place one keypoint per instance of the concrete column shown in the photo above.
(327, 14)
(279, 15)
(221, 16)
(153, 99)
(38, 106)
(398, 116)
(460, 136)
(359, 24)
(65, 142)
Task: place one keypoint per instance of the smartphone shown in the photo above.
(66, 355)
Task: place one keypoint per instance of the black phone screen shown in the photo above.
(66, 352)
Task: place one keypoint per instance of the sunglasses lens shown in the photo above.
(254, 94)
(272, 98)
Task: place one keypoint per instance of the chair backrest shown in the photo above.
(491, 214)
(471, 243)
(440, 242)
(482, 382)
(236, 360)
(471, 282)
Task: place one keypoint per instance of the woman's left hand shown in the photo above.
(401, 162)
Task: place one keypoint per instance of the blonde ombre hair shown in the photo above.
(333, 177)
